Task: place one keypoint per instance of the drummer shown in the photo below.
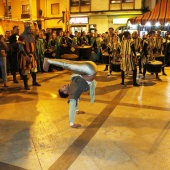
(149, 50)
(104, 52)
(106, 47)
(128, 60)
(166, 49)
(159, 40)
(113, 44)
(137, 42)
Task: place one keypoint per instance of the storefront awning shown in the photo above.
(160, 13)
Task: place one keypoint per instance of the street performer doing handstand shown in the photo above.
(82, 80)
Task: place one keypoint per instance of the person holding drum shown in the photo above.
(166, 50)
(159, 41)
(104, 52)
(137, 42)
(128, 57)
(149, 51)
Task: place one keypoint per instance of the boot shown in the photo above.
(14, 77)
(106, 68)
(34, 83)
(140, 66)
(144, 71)
(157, 76)
(25, 82)
(123, 77)
(163, 72)
(134, 78)
(21, 78)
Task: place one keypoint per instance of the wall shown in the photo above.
(98, 6)
(101, 22)
(1, 8)
(138, 4)
(8, 25)
(53, 23)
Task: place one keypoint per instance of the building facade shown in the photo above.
(83, 15)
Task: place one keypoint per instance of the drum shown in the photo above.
(154, 66)
(68, 50)
(105, 58)
(115, 66)
(160, 58)
(85, 52)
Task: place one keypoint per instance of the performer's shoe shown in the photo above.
(164, 74)
(36, 84)
(136, 85)
(5, 85)
(46, 64)
(106, 69)
(76, 126)
(80, 112)
(122, 84)
(140, 72)
(27, 88)
(143, 77)
(158, 78)
(15, 81)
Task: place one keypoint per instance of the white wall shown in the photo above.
(101, 22)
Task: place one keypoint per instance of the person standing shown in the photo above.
(3, 49)
(76, 40)
(128, 57)
(149, 50)
(14, 52)
(158, 51)
(166, 49)
(137, 42)
(8, 57)
(27, 60)
(40, 50)
(60, 43)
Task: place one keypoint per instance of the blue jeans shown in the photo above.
(3, 68)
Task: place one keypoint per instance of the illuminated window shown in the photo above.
(74, 2)
(124, 1)
(9, 11)
(25, 9)
(85, 2)
(115, 1)
(120, 1)
(55, 9)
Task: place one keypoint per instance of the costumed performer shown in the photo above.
(82, 80)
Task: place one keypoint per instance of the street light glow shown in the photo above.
(148, 24)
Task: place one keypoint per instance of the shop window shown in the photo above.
(124, 1)
(120, 1)
(55, 9)
(115, 1)
(85, 2)
(74, 2)
(25, 9)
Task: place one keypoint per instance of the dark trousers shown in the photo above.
(134, 76)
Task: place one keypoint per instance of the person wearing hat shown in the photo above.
(27, 59)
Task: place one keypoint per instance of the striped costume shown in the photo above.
(127, 51)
